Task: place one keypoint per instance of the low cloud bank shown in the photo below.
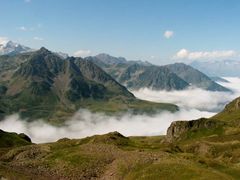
(85, 123)
(195, 98)
(193, 103)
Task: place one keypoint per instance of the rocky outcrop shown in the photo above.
(179, 128)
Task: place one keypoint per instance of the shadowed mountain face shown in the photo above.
(138, 74)
(195, 77)
(41, 84)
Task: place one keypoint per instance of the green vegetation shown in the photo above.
(13, 139)
(41, 85)
(113, 156)
(198, 149)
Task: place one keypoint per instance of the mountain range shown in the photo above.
(44, 85)
(53, 86)
(41, 84)
(138, 74)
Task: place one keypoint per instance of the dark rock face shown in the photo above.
(179, 128)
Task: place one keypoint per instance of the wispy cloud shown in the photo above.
(186, 54)
(82, 53)
(168, 34)
(27, 1)
(30, 28)
(38, 38)
(22, 28)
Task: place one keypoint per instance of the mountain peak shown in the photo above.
(12, 48)
(43, 49)
(108, 59)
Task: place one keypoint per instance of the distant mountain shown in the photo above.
(40, 84)
(195, 77)
(11, 48)
(218, 68)
(137, 74)
(107, 59)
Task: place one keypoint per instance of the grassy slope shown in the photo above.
(12, 139)
(212, 153)
(113, 156)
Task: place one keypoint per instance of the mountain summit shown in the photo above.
(12, 48)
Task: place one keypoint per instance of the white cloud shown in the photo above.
(27, 1)
(202, 100)
(3, 40)
(201, 103)
(38, 38)
(185, 54)
(22, 28)
(82, 53)
(168, 34)
(84, 123)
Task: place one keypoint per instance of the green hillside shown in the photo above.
(198, 149)
(43, 85)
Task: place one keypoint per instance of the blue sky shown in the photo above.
(134, 29)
